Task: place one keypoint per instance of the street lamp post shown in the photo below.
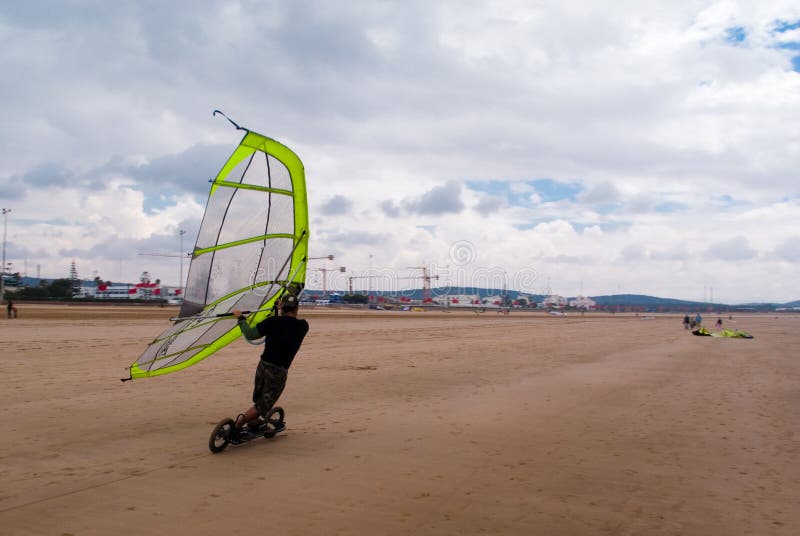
(3, 268)
(180, 282)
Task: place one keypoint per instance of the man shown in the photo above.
(284, 335)
(12, 309)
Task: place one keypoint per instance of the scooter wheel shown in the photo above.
(220, 437)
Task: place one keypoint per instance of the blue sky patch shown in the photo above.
(161, 200)
(785, 26)
(527, 226)
(736, 35)
(727, 201)
(548, 190)
(605, 227)
(153, 203)
(494, 187)
(605, 208)
(670, 206)
(578, 227)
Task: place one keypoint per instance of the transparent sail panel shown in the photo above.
(246, 216)
(214, 216)
(232, 269)
(281, 215)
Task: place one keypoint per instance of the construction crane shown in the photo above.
(426, 281)
(353, 277)
(325, 271)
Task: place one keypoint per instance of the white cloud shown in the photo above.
(683, 141)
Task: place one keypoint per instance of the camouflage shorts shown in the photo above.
(269, 384)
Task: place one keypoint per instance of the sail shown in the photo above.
(727, 333)
(251, 249)
(733, 334)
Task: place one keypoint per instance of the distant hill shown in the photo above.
(417, 293)
(651, 303)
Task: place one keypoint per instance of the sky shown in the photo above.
(647, 147)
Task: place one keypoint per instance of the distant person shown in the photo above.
(12, 309)
(686, 321)
(698, 320)
(719, 323)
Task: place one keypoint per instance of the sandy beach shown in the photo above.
(407, 423)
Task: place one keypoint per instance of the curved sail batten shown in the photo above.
(251, 249)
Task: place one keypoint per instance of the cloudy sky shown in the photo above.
(650, 147)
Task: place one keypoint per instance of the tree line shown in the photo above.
(57, 289)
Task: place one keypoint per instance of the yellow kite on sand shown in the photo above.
(728, 333)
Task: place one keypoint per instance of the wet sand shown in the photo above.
(398, 423)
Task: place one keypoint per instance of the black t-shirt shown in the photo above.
(284, 336)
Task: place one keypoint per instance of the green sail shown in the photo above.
(252, 248)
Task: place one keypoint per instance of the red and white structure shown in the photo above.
(145, 289)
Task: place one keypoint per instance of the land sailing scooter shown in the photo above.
(225, 434)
